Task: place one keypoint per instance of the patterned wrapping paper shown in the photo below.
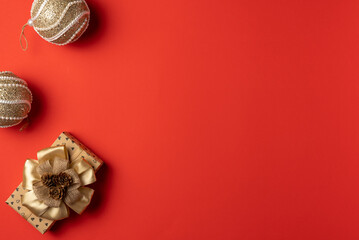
(76, 150)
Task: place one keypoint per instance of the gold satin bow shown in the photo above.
(54, 160)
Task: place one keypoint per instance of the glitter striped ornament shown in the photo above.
(15, 99)
(60, 21)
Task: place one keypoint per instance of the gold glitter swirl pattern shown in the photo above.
(15, 99)
(60, 21)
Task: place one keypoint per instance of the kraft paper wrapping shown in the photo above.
(76, 150)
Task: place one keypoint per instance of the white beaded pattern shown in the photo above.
(13, 78)
(61, 17)
(13, 118)
(78, 30)
(59, 34)
(40, 9)
(16, 85)
(16, 102)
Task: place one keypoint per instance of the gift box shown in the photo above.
(76, 152)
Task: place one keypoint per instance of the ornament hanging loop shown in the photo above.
(25, 124)
(22, 35)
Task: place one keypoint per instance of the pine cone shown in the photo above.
(63, 180)
(57, 184)
(57, 193)
(48, 180)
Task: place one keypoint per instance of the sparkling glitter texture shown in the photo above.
(15, 99)
(60, 21)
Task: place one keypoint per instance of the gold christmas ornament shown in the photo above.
(59, 21)
(15, 99)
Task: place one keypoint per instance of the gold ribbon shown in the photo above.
(55, 160)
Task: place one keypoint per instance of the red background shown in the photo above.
(225, 119)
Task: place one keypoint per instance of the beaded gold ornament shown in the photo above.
(15, 99)
(58, 21)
